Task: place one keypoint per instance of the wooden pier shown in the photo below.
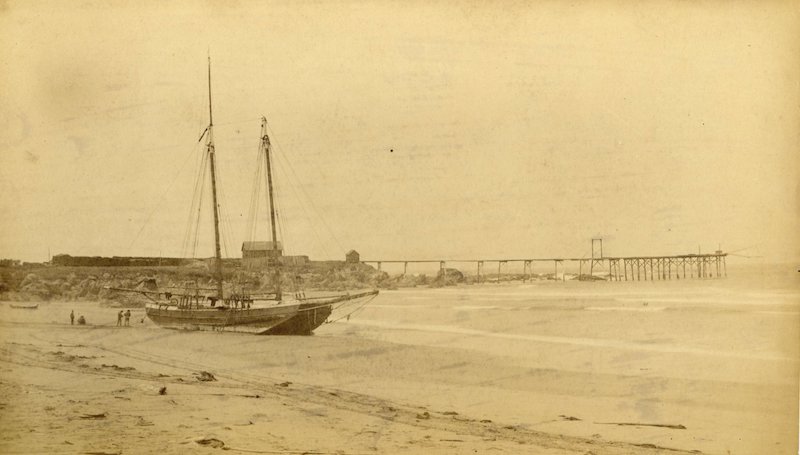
(630, 268)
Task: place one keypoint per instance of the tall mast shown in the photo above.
(266, 146)
(212, 160)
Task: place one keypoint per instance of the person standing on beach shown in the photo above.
(72, 317)
(128, 317)
(119, 318)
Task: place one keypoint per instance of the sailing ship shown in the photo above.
(274, 313)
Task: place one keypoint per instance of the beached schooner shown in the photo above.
(212, 309)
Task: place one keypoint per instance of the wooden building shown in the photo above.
(257, 254)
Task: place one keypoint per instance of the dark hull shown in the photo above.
(309, 316)
(292, 318)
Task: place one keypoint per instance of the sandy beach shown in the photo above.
(545, 367)
(490, 176)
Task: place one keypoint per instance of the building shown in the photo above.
(257, 254)
(352, 257)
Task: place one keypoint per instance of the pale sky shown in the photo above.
(518, 129)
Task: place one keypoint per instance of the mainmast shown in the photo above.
(275, 260)
(212, 160)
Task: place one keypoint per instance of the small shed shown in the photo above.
(352, 257)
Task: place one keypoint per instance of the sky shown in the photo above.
(404, 130)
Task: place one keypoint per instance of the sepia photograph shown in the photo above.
(356, 227)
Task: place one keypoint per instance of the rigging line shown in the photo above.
(161, 198)
(187, 236)
(222, 211)
(226, 222)
(252, 218)
(200, 207)
(287, 178)
(278, 215)
(359, 307)
(305, 211)
(278, 201)
(255, 194)
(225, 229)
(255, 200)
(226, 226)
(196, 200)
(325, 223)
(263, 157)
(280, 222)
(270, 199)
(317, 235)
(238, 148)
(263, 198)
(310, 200)
(224, 247)
(237, 122)
(248, 229)
(200, 157)
(200, 165)
(257, 204)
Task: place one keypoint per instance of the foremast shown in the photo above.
(273, 261)
(212, 160)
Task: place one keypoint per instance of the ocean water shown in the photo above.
(719, 356)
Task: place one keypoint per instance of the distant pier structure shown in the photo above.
(627, 268)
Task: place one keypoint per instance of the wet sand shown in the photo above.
(550, 368)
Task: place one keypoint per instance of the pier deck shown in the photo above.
(634, 268)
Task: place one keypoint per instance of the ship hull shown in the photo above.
(299, 317)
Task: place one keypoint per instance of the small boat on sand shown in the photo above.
(24, 306)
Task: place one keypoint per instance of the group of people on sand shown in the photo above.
(120, 316)
(126, 315)
(81, 319)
